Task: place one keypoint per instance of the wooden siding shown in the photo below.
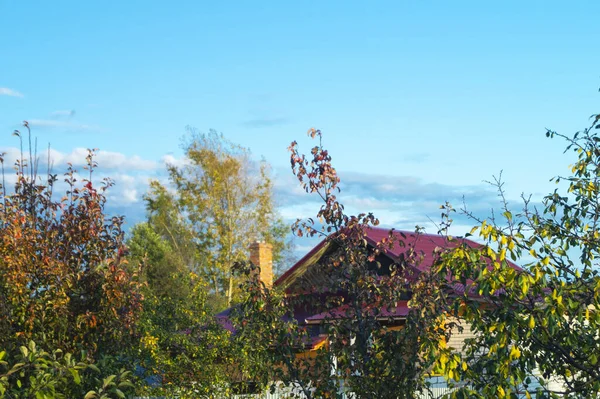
(457, 338)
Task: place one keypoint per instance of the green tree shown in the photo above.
(226, 200)
(183, 348)
(166, 220)
(180, 342)
(545, 317)
(162, 268)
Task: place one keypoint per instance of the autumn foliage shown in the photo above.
(63, 278)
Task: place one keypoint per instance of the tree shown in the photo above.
(362, 355)
(166, 222)
(64, 284)
(545, 317)
(186, 250)
(182, 347)
(64, 281)
(227, 202)
(162, 268)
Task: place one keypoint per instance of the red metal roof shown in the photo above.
(424, 244)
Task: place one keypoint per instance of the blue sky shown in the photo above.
(418, 101)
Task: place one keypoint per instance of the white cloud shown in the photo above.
(122, 178)
(5, 91)
(64, 112)
(130, 174)
(57, 124)
(107, 160)
(130, 195)
(398, 201)
(117, 160)
(169, 159)
(9, 179)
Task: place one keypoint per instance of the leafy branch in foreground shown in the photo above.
(536, 330)
(364, 345)
(30, 372)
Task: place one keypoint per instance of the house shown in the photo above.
(311, 276)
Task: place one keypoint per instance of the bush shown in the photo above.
(30, 372)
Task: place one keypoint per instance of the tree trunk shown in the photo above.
(230, 291)
(216, 282)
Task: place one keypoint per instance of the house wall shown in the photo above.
(457, 339)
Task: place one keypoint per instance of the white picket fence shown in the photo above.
(435, 393)
(438, 390)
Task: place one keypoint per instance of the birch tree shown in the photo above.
(227, 201)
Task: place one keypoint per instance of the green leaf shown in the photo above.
(126, 384)
(76, 376)
(90, 395)
(24, 351)
(15, 368)
(108, 380)
(94, 367)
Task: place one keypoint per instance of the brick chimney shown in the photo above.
(261, 255)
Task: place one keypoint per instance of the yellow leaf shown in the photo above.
(568, 373)
(502, 254)
(532, 252)
(531, 322)
(546, 261)
(501, 392)
(443, 359)
(442, 343)
(515, 353)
